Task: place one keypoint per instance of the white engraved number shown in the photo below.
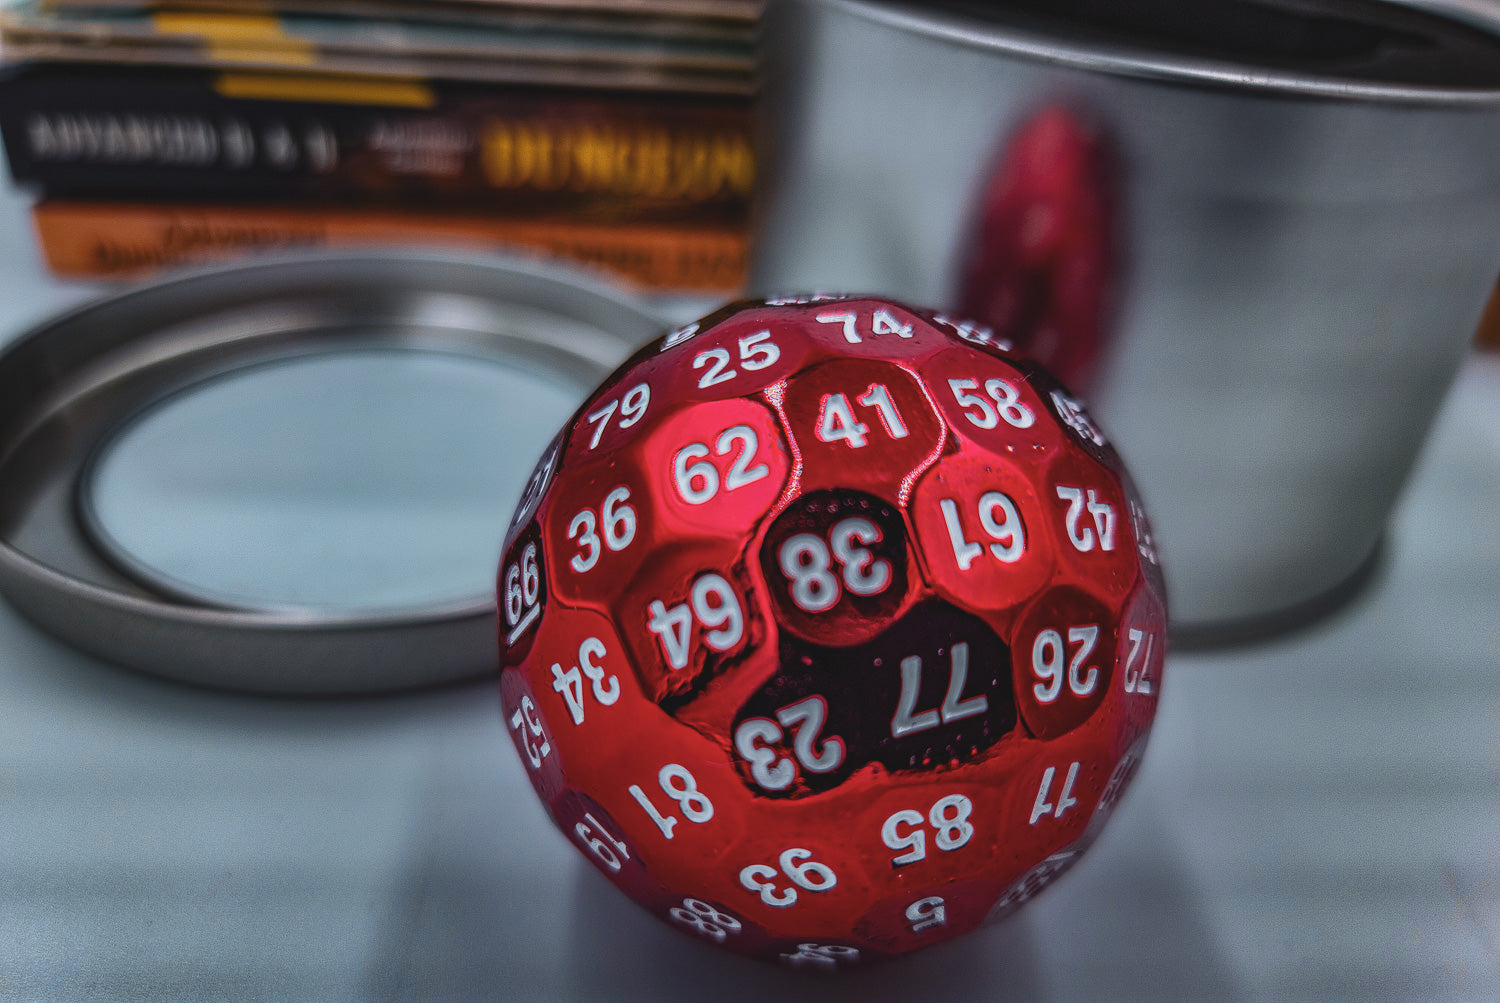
(906, 722)
(1006, 398)
(1065, 799)
(716, 607)
(806, 561)
(805, 718)
(1144, 542)
(846, 320)
(679, 784)
(610, 852)
(1138, 662)
(1103, 513)
(1006, 531)
(536, 486)
(695, 914)
(570, 683)
(1047, 663)
(1075, 417)
(678, 336)
(632, 409)
(717, 361)
(976, 333)
(949, 817)
(824, 956)
(526, 723)
(619, 529)
(740, 471)
(925, 914)
(757, 351)
(836, 421)
(523, 585)
(882, 321)
(582, 529)
(698, 480)
(796, 864)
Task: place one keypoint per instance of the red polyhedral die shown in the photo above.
(830, 628)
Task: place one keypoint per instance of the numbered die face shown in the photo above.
(717, 469)
(1066, 644)
(866, 422)
(1087, 512)
(691, 619)
(872, 329)
(927, 914)
(536, 487)
(837, 566)
(1140, 657)
(599, 526)
(1031, 884)
(981, 525)
(522, 592)
(934, 689)
(604, 844)
(742, 356)
(830, 629)
(533, 736)
(989, 402)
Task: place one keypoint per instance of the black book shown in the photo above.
(98, 131)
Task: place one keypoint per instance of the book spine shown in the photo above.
(94, 132)
(128, 240)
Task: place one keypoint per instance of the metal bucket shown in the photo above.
(1299, 221)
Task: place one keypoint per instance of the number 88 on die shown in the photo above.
(830, 629)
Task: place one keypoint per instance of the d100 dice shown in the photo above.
(830, 629)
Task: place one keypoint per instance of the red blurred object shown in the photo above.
(1489, 323)
(831, 629)
(1042, 261)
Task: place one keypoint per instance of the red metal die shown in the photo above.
(830, 629)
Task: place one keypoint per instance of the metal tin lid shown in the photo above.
(1377, 50)
(172, 457)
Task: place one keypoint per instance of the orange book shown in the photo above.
(127, 240)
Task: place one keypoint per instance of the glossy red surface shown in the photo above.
(830, 629)
(1043, 262)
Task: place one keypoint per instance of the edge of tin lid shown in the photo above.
(69, 383)
(1152, 63)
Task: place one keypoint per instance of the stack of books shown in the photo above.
(616, 133)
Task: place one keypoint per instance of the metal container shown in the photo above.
(76, 392)
(1307, 220)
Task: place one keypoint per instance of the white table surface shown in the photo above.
(1317, 816)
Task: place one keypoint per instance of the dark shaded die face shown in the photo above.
(836, 563)
(932, 689)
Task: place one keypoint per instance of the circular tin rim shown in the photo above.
(919, 20)
(81, 353)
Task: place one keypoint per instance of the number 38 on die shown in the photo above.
(831, 628)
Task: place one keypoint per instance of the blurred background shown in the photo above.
(1272, 283)
(157, 135)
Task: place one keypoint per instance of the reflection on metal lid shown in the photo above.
(1351, 48)
(174, 458)
(364, 481)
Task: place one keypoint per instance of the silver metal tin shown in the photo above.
(70, 384)
(1306, 243)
